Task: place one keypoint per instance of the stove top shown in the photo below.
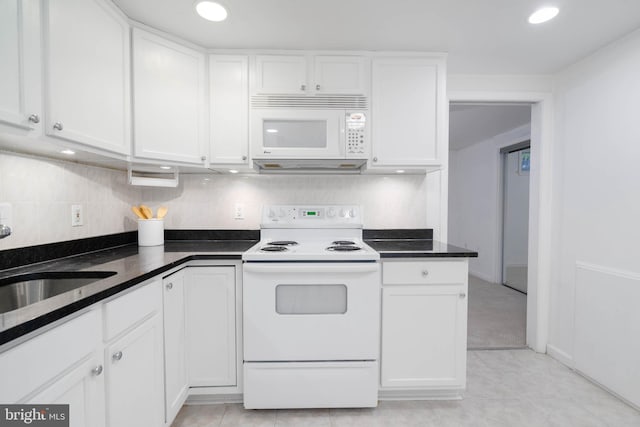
(311, 233)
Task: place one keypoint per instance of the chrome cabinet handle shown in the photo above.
(425, 273)
(317, 87)
(375, 159)
(117, 355)
(57, 126)
(303, 87)
(34, 118)
(97, 370)
(462, 295)
(244, 157)
(169, 286)
(203, 158)
(5, 231)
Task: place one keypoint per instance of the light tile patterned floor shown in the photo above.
(497, 316)
(510, 388)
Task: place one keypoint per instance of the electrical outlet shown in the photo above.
(238, 211)
(77, 218)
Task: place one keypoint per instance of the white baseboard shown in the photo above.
(455, 394)
(560, 356)
(208, 399)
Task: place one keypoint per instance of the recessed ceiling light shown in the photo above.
(211, 11)
(543, 15)
(165, 167)
(272, 130)
(400, 171)
(233, 171)
(68, 152)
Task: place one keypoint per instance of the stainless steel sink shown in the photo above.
(25, 289)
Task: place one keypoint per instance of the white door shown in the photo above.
(211, 326)
(423, 336)
(168, 100)
(176, 380)
(340, 75)
(87, 74)
(134, 377)
(311, 311)
(20, 97)
(83, 390)
(285, 74)
(404, 112)
(229, 109)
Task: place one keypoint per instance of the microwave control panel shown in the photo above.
(356, 134)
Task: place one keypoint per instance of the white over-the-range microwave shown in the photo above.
(294, 138)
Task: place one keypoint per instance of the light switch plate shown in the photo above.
(77, 218)
(238, 211)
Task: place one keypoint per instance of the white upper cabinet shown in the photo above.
(86, 54)
(169, 94)
(408, 112)
(281, 74)
(340, 75)
(229, 109)
(310, 75)
(20, 81)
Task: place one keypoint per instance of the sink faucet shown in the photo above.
(5, 231)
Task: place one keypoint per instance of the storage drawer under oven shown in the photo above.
(311, 311)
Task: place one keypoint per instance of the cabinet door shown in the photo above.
(176, 381)
(423, 336)
(83, 390)
(229, 109)
(168, 100)
(134, 377)
(404, 112)
(339, 75)
(87, 74)
(281, 74)
(20, 86)
(211, 326)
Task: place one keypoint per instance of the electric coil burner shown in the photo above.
(311, 311)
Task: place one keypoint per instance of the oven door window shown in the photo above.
(311, 299)
(294, 134)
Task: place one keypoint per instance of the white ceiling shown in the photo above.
(470, 124)
(488, 36)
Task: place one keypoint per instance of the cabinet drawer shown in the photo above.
(31, 365)
(424, 272)
(128, 310)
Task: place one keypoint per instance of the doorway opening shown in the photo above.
(489, 159)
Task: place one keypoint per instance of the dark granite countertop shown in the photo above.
(418, 248)
(132, 265)
(412, 243)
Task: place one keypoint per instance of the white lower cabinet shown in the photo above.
(211, 326)
(424, 326)
(133, 360)
(83, 390)
(176, 379)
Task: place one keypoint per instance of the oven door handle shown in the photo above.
(317, 268)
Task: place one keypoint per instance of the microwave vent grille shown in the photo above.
(320, 102)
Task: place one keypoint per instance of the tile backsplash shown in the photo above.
(41, 192)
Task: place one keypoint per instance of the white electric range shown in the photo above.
(311, 310)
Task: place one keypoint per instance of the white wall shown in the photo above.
(42, 191)
(597, 224)
(474, 205)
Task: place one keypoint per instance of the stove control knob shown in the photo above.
(343, 213)
(351, 213)
(281, 213)
(331, 213)
(271, 213)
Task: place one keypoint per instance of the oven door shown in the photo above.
(311, 311)
(297, 134)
